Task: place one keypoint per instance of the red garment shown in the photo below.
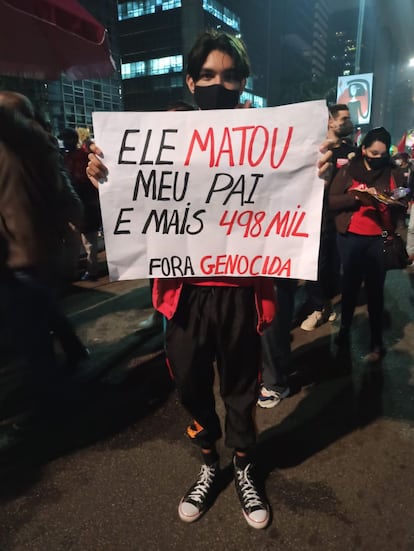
(370, 220)
(76, 162)
(166, 295)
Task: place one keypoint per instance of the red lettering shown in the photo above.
(240, 265)
(243, 130)
(285, 149)
(253, 271)
(209, 141)
(252, 139)
(281, 224)
(225, 147)
(295, 231)
(230, 223)
(247, 146)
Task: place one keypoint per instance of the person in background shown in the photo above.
(360, 221)
(276, 339)
(410, 211)
(321, 292)
(402, 162)
(36, 206)
(276, 347)
(85, 140)
(76, 160)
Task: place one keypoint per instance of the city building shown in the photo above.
(297, 48)
(154, 38)
(384, 51)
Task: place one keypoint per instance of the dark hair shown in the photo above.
(223, 42)
(403, 156)
(69, 134)
(17, 102)
(334, 109)
(379, 134)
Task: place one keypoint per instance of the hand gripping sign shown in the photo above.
(212, 193)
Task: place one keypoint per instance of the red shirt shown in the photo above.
(370, 220)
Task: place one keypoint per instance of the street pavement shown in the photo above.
(106, 470)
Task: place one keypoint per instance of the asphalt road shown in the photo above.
(106, 472)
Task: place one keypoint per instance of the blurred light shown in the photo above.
(411, 62)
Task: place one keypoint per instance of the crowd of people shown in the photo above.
(239, 327)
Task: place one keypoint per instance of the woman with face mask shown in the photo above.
(360, 221)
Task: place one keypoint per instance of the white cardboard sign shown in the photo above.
(212, 193)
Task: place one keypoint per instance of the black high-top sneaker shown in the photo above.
(201, 494)
(254, 506)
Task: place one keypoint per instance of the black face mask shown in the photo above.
(216, 97)
(344, 129)
(377, 162)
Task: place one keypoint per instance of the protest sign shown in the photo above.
(230, 192)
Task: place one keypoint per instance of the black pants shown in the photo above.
(59, 324)
(363, 262)
(328, 283)
(25, 340)
(217, 323)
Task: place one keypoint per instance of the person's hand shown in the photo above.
(364, 195)
(325, 165)
(96, 171)
(246, 105)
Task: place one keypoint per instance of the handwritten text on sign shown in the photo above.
(212, 193)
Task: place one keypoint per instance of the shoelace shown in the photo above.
(201, 487)
(248, 490)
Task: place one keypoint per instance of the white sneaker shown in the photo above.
(313, 321)
(269, 398)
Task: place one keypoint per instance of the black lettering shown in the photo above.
(256, 181)
(117, 231)
(143, 160)
(196, 217)
(126, 148)
(167, 221)
(159, 161)
(174, 266)
(146, 184)
(159, 219)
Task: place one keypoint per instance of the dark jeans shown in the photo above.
(363, 262)
(276, 347)
(328, 283)
(59, 325)
(25, 340)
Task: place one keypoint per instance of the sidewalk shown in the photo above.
(106, 317)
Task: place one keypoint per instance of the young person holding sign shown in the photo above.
(217, 319)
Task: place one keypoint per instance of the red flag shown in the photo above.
(401, 143)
